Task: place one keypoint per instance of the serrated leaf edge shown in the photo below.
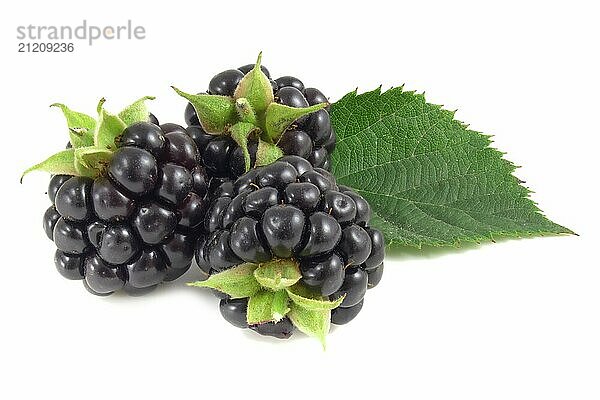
(434, 242)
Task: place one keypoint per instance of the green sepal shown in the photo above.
(260, 307)
(62, 163)
(238, 282)
(279, 308)
(81, 126)
(255, 87)
(278, 274)
(267, 306)
(279, 117)
(267, 153)
(311, 300)
(92, 141)
(108, 128)
(313, 323)
(239, 133)
(215, 113)
(136, 112)
(91, 161)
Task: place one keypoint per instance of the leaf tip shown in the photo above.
(181, 92)
(100, 105)
(258, 60)
(26, 172)
(323, 343)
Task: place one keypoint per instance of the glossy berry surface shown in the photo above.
(355, 244)
(56, 181)
(73, 199)
(224, 83)
(325, 273)
(282, 227)
(110, 204)
(281, 330)
(374, 276)
(147, 270)
(290, 81)
(134, 169)
(135, 226)
(292, 97)
(354, 287)
(101, 277)
(314, 96)
(149, 137)
(296, 142)
(291, 210)
(343, 315)
(234, 311)
(70, 237)
(69, 265)
(51, 217)
(118, 244)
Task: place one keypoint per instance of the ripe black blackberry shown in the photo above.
(289, 210)
(130, 222)
(309, 136)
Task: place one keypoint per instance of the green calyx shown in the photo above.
(274, 291)
(253, 102)
(93, 140)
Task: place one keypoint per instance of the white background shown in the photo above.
(513, 320)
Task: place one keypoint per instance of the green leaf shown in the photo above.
(62, 163)
(314, 323)
(215, 113)
(136, 112)
(260, 307)
(279, 308)
(429, 179)
(240, 132)
(256, 88)
(267, 153)
(81, 126)
(238, 282)
(278, 274)
(310, 300)
(279, 117)
(108, 128)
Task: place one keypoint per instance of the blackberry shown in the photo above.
(130, 221)
(291, 211)
(310, 136)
